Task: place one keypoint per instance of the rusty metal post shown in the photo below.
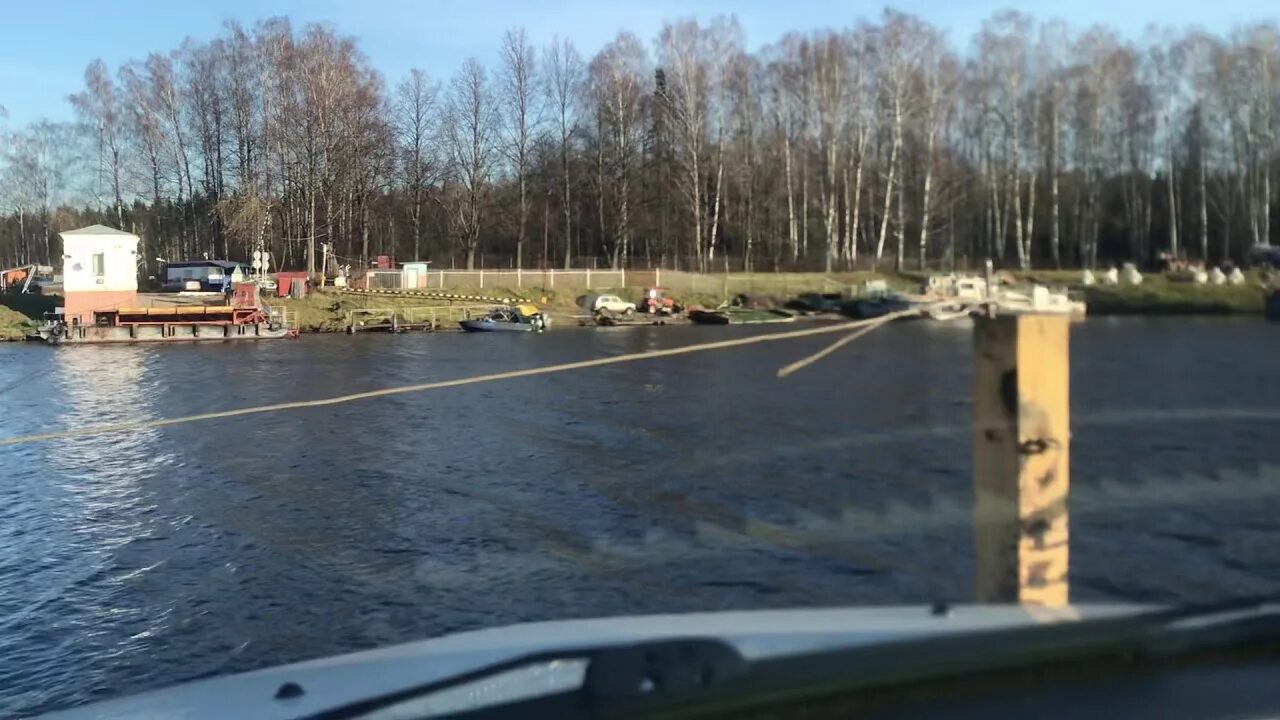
(1021, 444)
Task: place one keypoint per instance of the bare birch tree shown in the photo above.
(470, 142)
(416, 127)
(563, 79)
(522, 120)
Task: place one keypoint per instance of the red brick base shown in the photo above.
(83, 304)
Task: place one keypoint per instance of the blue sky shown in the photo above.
(46, 44)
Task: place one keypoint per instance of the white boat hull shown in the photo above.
(343, 679)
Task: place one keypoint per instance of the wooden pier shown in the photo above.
(427, 318)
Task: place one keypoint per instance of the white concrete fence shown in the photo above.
(676, 281)
(586, 279)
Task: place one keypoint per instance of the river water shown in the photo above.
(699, 482)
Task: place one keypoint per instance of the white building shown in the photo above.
(99, 270)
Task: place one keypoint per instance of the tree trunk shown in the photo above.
(1173, 206)
(804, 207)
(900, 232)
(888, 196)
(1055, 243)
(850, 231)
(1203, 196)
(695, 174)
(1031, 219)
(524, 217)
(856, 204)
(715, 204)
(568, 203)
(1015, 190)
(1266, 201)
(364, 231)
(924, 200)
(793, 234)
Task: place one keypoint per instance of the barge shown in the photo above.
(169, 324)
(101, 302)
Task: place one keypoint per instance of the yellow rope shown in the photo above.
(800, 364)
(862, 326)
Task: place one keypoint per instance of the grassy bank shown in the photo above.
(21, 314)
(327, 311)
(14, 325)
(1160, 295)
(1157, 295)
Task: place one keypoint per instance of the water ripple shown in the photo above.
(134, 561)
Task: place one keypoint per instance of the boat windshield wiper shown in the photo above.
(710, 677)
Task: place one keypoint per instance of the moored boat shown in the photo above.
(878, 306)
(947, 311)
(740, 316)
(521, 318)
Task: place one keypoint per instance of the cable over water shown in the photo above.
(860, 327)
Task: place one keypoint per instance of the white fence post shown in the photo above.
(624, 277)
(553, 278)
(519, 279)
(441, 279)
(588, 278)
(657, 277)
(482, 278)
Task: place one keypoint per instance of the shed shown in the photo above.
(415, 274)
(284, 281)
(99, 270)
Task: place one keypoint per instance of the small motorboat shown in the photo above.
(947, 311)
(1041, 300)
(739, 316)
(874, 307)
(521, 318)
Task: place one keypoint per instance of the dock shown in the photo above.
(426, 318)
(638, 319)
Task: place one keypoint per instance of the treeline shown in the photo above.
(880, 143)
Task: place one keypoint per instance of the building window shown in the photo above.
(99, 265)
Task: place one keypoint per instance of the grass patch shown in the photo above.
(15, 325)
(1159, 296)
(326, 311)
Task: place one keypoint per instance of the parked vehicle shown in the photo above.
(608, 303)
(656, 302)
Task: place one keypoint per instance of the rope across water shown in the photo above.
(859, 328)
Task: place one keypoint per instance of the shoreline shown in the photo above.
(325, 311)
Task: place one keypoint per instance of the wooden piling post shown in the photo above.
(1021, 444)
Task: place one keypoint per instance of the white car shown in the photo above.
(611, 303)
